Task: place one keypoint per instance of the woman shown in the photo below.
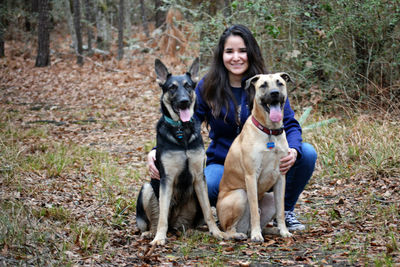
(222, 104)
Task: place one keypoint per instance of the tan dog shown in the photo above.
(252, 164)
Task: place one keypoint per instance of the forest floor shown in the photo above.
(74, 141)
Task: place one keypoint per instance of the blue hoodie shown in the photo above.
(223, 132)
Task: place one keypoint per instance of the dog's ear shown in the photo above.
(251, 81)
(161, 72)
(285, 76)
(194, 70)
(251, 91)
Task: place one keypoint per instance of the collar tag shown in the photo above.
(270, 145)
(179, 134)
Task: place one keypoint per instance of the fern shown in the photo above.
(306, 114)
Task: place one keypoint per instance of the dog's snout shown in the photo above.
(183, 99)
(183, 103)
(274, 93)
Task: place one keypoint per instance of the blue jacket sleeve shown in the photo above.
(292, 128)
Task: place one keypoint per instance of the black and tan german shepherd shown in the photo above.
(179, 199)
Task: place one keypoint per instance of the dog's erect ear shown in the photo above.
(161, 72)
(251, 81)
(285, 76)
(194, 70)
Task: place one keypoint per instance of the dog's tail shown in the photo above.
(146, 208)
(141, 219)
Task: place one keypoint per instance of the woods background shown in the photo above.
(79, 104)
(338, 49)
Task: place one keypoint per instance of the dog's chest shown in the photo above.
(181, 168)
(181, 165)
(268, 172)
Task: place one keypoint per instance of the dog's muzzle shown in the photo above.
(273, 103)
(272, 98)
(182, 106)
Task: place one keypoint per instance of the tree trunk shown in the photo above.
(103, 30)
(2, 54)
(3, 25)
(89, 23)
(70, 22)
(227, 8)
(30, 23)
(121, 30)
(160, 15)
(77, 24)
(127, 18)
(43, 54)
(144, 18)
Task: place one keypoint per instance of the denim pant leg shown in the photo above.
(213, 174)
(299, 175)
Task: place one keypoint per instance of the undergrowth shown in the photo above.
(39, 228)
(355, 156)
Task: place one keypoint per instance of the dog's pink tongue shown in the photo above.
(184, 114)
(275, 113)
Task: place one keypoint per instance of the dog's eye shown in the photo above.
(264, 85)
(279, 83)
(172, 87)
(187, 86)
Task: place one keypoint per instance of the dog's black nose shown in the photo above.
(274, 93)
(183, 103)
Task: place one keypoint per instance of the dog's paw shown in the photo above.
(239, 236)
(147, 235)
(158, 242)
(159, 239)
(285, 233)
(219, 234)
(257, 237)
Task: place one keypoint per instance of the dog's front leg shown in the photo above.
(251, 185)
(165, 200)
(201, 191)
(279, 196)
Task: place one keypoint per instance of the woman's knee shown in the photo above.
(213, 174)
(309, 154)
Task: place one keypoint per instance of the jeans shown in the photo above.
(296, 178)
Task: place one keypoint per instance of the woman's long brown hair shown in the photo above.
(217, 90)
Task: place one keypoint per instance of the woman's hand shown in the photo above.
(288, 161)
(151, 159)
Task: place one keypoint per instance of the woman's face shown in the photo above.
(235, 59)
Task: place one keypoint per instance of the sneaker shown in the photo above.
(292, 223)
